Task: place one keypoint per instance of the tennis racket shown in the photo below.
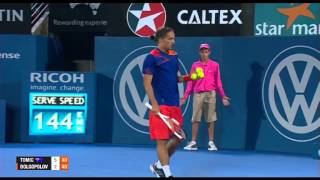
(172, 123)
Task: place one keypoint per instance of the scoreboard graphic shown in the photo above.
(57, 113)
(42, 163)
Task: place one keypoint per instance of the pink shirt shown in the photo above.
(210, 82)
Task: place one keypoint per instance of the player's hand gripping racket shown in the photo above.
(172, 123)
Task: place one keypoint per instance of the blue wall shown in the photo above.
(117, 111)
(33, 52)
(243, 62)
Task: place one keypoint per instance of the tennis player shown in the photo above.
(160, 70)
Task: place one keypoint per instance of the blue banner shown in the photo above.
(19, 55)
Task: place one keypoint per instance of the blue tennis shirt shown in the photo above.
(163, 66)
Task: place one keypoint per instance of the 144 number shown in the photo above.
(53, 121)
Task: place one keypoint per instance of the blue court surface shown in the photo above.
(103, 160)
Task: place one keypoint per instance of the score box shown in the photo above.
(57, 113)
(54, 163)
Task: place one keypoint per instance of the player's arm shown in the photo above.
(147, 79)
(184, 78)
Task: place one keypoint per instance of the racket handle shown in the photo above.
(148, 105)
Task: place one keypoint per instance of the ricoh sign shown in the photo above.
(57, 82)
(54, 77)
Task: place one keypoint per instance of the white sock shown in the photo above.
(193, 142)
(166, 170)
(211, 142)
(158, 164)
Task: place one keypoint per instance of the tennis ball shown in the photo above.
(199, 70)
(194, 76)
(201, 75)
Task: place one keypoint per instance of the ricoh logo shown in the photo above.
(11, 15)
(129, 94)
(9, 56)
(39, 77)
(291, 93)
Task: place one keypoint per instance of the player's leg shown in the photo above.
(167, 142)
(173, 143)
(160, 133)
(163, 155)
(162, 152)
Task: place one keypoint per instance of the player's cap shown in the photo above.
(204, 46)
